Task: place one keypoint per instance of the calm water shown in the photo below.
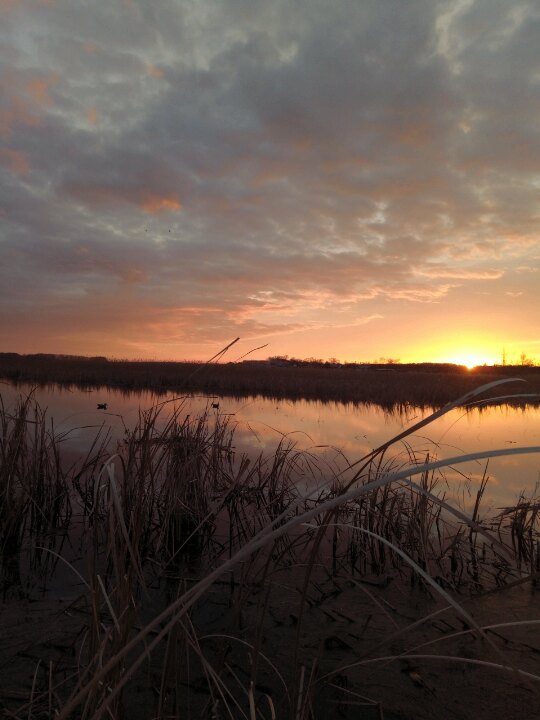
(332, 431)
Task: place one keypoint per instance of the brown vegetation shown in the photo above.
(427, 385)
(175, 579)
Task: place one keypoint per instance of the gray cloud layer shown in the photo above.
(188, 171)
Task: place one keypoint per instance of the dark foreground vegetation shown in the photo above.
(167, 577)
(423, 385)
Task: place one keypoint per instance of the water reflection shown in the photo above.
(336, 432)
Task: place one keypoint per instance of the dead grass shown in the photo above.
(202, 584)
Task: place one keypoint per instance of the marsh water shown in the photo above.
(335, 433)
(354, 613)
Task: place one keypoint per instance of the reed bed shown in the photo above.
(35, 508)
(422, 385)
(196, 583)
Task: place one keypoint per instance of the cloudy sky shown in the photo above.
(355, 178)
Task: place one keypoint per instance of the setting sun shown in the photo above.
(466, 348)
(470, 359)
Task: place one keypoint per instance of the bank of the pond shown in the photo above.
(423, 385)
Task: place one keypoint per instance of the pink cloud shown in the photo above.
(153, 203)
(457, 273)
(24, 100)
(17, 162)
(146, 200)
(91, 115)
(153, 71)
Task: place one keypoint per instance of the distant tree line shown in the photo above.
(381, 363)
(53, 356)
(387, 384)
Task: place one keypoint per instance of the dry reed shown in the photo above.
(188, 559)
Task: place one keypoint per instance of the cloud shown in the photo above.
(165, 203)
(460, 273)
(91, 115)
(143, 198)
(25, 96)
(17, 162)
(153, 71)
(262, 168)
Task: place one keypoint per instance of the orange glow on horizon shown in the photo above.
(469, 348)
(466, 357)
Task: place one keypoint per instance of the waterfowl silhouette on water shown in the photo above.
(102, 406)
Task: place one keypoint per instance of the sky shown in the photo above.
(354, 179)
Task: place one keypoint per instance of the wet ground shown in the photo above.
(341, 634)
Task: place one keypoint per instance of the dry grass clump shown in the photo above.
(35, 507)
(203, 584)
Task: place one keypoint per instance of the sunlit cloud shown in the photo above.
(154, 71)
(281, 171)
(155, 203)
(145, 199)
(460, 273)
(16, 162)
(92, 116)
